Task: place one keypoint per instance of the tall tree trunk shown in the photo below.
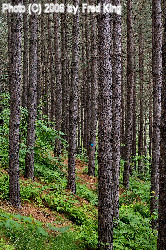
(15, 98)
(117, 70)
(32, 96)
(162, 178)
(51, 69)
(73, 108)
(134, 140)
(105, 205)
(93, 98)
(122, 112)
(150, 117)
(157, 80)
(39, 64)
(58, 88)
(141, 117)
(87, 86)
(25, 59)
(130, 82)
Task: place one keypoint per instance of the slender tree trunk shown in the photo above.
(51, 69)
(145, 136)
(105, 206)
(39, 65)
(134, 140)
(58, 89)
(116, 107)
(122, 112)
(32, 96)
(130, 82)
(88, 85)
(162, 178)
(73, 113)
(141, 120)
(15, 99)
(93, 99)
(25, 59)
(150, 125)
(157, 80)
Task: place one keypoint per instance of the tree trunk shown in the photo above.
(105, 205)
(116, 105)
(73, 108)
(141, 116)
(93, 98)
(130, 82)
(162, 178)
(32, 96)
(58, 88)
(25, 59)
(157, 80)
(15, 98)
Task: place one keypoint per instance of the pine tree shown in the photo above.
(162, 179)
(15, 99)
(32, 96)
(157, 80)
(105, 205)
(73, 108)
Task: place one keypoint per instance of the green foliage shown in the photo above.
(133, 230)
(48, 175)
(4, 245)
(84, 192)
(28, 233)
(4, 186)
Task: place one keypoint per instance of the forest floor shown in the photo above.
(52, 217)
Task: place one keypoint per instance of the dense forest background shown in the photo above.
(83, 128)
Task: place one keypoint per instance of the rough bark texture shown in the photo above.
(73, 108)
(15, 98)
(150, 117)
(25, 58)
(65, 77)
(105, 205)
(93, 98)
(134, 140)
(87, 86)
(162, 178)
(51, 68)
(157, 79)
(39, 64)
(122, 112)
(32, 96)
(130, 81)
(141, 113)
(116, 107)
(58, 89)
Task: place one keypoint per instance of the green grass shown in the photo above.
(27, 233)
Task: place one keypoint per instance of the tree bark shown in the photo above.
(157, 80)
(73, 108)
(141, 116)
(93, 98)
(58, 88)
(116, 105)
(162, 177)
(25, 59)
(32, 96)
(15, 99)
(105, 205)
(130, 82)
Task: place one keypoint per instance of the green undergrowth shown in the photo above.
(27, 233)
(133, 230)
(49, 190)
